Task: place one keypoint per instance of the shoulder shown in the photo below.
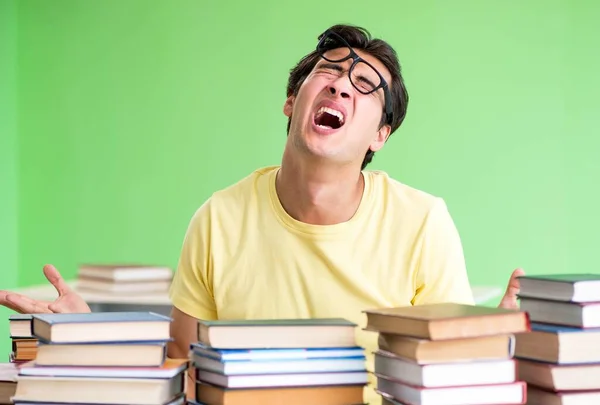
(237, 197)
(403, 197)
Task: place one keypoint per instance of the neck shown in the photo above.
(317, 193)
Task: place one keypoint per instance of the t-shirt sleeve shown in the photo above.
(192, 289)
(441, 274)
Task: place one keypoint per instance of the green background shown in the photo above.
(119, 118)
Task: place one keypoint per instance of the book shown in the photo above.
(578, 314)
(101, 327)
(277, 333)
(140, 354)
(200, 350)
(321, 395)
(579, 287)
(559, 344)
(453, 374)
(498, 394)
(425, 351)
(446, 321)
(124, 272)
(560, 377)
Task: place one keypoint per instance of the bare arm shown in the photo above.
(184, 333)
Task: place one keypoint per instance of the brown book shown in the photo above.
(447, 321)
(556, 377)
(24, 348)
(329, 395)
(424, 351)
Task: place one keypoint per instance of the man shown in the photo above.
(318, 236)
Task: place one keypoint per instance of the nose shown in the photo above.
(340, 87)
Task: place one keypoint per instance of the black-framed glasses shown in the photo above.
(363, 76)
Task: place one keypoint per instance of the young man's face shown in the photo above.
(331, 118)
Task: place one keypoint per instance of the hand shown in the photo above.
(67, 302)
(509, 300)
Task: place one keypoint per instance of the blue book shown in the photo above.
(101, 327)
(225, 355)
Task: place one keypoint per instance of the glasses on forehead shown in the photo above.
(363, 76)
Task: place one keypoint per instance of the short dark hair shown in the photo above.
(360, 38)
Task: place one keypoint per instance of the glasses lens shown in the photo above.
(333, 41)
(365, 78)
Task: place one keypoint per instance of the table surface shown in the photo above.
(47, 292)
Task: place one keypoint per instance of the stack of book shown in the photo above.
(123, 278)
(24, 344)
(102, 358)
(8, 382)
(447, 354)
(273, 362)
(560, 357)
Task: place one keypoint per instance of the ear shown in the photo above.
(288, 106)
(380, 138)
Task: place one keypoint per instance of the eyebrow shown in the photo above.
(333, 66)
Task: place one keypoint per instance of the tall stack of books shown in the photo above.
(123, 278)
(24, 344)
(447, 354)
(273, 362)
(560, 357)
(101, 358)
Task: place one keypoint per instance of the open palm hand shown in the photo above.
(67, 301)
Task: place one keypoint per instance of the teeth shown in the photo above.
(331, 111)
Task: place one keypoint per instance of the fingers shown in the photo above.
(26, 305)
(6, 303)
(56, 279)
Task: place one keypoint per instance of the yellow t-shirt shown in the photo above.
(244, 257)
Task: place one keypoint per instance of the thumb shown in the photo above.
(514, 286)
(56, 279)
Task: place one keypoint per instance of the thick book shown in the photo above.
(101, 327)
(424, 351)
(446, 374)
(559, 377)
(277, 333)
(94, 390)
(317, 395)
(446, 321)
(127, 354)
(20, 325)
(578, 314)
(559, 344)
(580, 287)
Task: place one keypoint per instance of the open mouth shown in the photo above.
(329, 118)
